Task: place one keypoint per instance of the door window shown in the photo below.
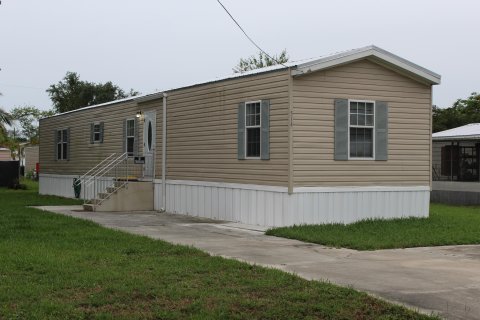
(149, 135)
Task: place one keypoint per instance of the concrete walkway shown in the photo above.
(445, 280)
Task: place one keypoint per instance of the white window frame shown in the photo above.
(61, 142)
(357, 126)
(99, 133)
(249, 127)
(127, 136)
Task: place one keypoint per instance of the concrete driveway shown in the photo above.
(445, 280)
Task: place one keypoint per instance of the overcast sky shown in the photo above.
(156, 45)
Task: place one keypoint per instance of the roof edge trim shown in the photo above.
(365, 52)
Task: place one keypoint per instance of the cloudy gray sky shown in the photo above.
(153, 45)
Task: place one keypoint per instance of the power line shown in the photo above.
(20, 86)
(253, 42)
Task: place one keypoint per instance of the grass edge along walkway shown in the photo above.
(56, 267)
(446, 225)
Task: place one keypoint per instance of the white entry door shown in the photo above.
(149, 144)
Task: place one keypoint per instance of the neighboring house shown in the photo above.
(31, 159)
(456, 165)
(5, 154)
(335, 139)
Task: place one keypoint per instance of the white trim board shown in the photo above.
(226, 185)
(367, 52)
(296, 189)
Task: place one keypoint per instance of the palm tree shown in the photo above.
(5, 119)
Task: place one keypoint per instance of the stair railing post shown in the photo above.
(94, 191)
(127, 171)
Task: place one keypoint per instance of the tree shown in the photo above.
(462, 112)
(27, 118)
(72, 93)
(261, 61)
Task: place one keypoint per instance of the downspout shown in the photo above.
(164, 153)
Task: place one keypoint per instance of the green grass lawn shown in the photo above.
(58, 267)
(446, 225)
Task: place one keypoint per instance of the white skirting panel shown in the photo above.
(269, 205)
(62, 185)
(273, 206)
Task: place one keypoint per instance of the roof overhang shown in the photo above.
(457, 138)
(149, 97)
(374, 54)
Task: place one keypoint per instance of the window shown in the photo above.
(130, 136)
(252, 129)
(62, 144)
(96, 132)
(361, 129)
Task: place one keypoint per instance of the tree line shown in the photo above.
(462, 112)
(68, 94)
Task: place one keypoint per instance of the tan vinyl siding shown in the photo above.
(83, 154)
(313, 132)
(202, 131)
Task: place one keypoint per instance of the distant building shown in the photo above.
(456, 165)
(5, 154)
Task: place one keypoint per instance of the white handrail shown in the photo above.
(99, 164)
(101, 171)
(97, 175)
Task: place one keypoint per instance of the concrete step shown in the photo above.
(103, 195)
(92, 201)
(110, 189)
(88, 207)
(119, 183)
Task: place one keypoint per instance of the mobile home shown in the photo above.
(335, 139)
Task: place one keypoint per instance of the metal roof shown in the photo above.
(301, 67)
(467, 132)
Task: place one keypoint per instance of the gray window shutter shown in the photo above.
(124, 136)
(91, 132)
(69, 147)
(381, 130)
(55, 144)
(341, 129)
(101, 132)
(265, 125)
(241, 131)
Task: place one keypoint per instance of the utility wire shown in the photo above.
(253, 42)
(20, 86)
